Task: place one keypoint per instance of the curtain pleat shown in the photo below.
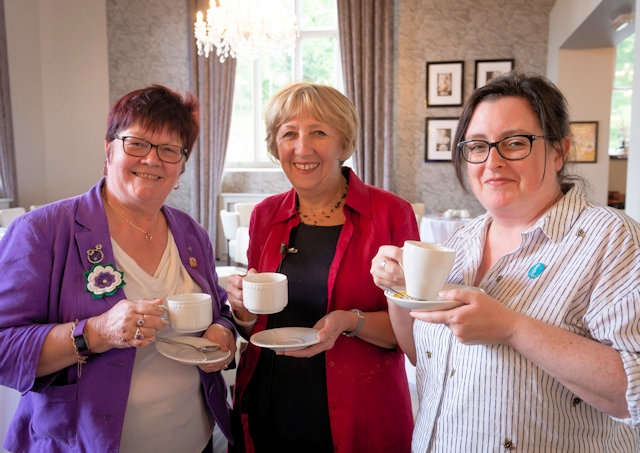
(8, 178)
(213, 82)
(366, 42)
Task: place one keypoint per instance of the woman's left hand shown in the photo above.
(330, 328)
(481, 320)
(224, 337)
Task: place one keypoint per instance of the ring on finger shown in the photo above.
(382, 264)
(140, 321)
(138, 335)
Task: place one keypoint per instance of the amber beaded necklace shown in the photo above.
(313, 217)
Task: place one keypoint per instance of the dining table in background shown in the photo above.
(437, 228)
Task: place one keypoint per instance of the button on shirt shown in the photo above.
(577, 268)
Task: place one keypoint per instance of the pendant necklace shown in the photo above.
(147, 234)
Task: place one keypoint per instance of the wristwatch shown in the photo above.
(360, 316)
(79, 340)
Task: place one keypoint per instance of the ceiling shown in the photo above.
(596, 32)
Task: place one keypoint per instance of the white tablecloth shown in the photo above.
(9, 399)
(436, 228)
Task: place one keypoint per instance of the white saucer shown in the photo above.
(190, 356)
(286, 338)
(428, 305)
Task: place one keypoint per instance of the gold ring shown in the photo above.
(140, 321)
(138, 335)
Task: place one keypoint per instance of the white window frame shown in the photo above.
(297, 75)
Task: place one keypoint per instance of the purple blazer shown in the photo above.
(43, 258)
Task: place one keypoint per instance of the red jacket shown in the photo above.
(368, 394)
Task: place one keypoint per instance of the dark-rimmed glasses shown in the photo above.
(137, 147)
(513, 147)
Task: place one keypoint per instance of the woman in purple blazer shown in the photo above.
(81, 298)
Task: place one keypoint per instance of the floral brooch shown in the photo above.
(103, 280)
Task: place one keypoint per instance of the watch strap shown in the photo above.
(79, 339)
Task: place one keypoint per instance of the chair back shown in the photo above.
(9, 215)
(230, 221)
(418, 208)
(242, 245)
(244, 210)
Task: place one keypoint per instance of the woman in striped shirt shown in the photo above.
(547, 359)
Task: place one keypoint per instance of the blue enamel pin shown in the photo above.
(536, 270)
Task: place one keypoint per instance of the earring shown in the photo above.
(177, 186)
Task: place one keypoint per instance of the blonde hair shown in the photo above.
(323, 102)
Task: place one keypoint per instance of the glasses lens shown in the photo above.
(475, 151)
(170, 153)
(136, 147)
(516, 147)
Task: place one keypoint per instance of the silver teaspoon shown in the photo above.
(399, 294)
(206, 348)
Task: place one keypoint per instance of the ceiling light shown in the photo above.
(245, 28)
(620, 22)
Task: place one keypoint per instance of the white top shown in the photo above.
(489, 398)
(165, 410)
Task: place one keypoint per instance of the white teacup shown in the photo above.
(426, 268)
(189, 312)
(265, 292)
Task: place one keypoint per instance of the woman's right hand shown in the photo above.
(117, 327)
(236, 299)
(386, 267)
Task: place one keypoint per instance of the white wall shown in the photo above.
(632, 202)
(566, 16)
(593, 68)
(58, 72)
(572, 71)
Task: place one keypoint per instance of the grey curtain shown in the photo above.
(8, 183)
(213, 83)
(366, 42)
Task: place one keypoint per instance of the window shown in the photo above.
(621, 99)
(317, 59)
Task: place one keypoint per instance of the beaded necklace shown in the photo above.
(314, 216)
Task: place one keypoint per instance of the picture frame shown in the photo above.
(444, 83)
(585, 141)
(439, 135)
(489, 69)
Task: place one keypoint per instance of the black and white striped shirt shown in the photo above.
(577, 268)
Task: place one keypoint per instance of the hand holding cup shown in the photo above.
(265, 292)
(426, 268)
(189, 312)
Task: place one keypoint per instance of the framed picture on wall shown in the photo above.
(585, 141)
(439, 134)
(444, 83)
(489, 69)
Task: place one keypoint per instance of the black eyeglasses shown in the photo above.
(137, 147)
(514, 147)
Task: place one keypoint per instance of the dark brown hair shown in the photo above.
(545, 99)
(157, 109)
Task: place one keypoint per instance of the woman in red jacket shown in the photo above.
(348, 392)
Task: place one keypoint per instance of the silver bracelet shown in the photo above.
(242, 323)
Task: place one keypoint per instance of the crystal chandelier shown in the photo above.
(245, 28)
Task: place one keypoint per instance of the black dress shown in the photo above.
(287, 396)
